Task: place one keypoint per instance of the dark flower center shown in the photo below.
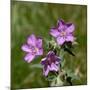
(33, 49)
(50, 60)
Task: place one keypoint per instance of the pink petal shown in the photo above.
(45, 72)
(29, 57)
(25, 48)
(58, 59)
(54, 67)
(39, 43)
(31, 40)
(54, 32)
(60, 40)
(61, 24)
(70, 29)
(70, 38)
(43, 61)
(40, 52)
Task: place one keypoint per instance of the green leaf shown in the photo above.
(51, 78)
(69, 51)
(57, 82)
(35, 66)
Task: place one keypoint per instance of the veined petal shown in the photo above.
(70, 28)
(70, 38)
(54, 32)
(58, 59)
(31, 40)
(60, 40)
(54, 67)
(46, 71)
(29, 57)
(43, 61)
(25, 48)
(39, 52)
(39, 43)
(61, 24)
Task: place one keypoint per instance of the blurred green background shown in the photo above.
(38, 18)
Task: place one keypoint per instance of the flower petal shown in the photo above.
(29, 57)
(60, 40)
(61, 24)
(46, 71)
(39, 52)
(54, 67)
(54, 32)
(25, 48)
(31, 40)
(43, 61)
(58, 59)
(70, 28)
(39, 43)
(70, 38)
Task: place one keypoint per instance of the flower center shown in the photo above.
(33, 49)
(36, 49)
(63, 33)
(49, 61)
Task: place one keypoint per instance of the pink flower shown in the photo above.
(50, 63)
(33, 48)
(63, 32)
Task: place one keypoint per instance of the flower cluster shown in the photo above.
(63, 33)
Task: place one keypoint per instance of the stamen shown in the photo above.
(63, 33)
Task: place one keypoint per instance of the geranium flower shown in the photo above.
(33, 48)
(63, 32)
(50, 63)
